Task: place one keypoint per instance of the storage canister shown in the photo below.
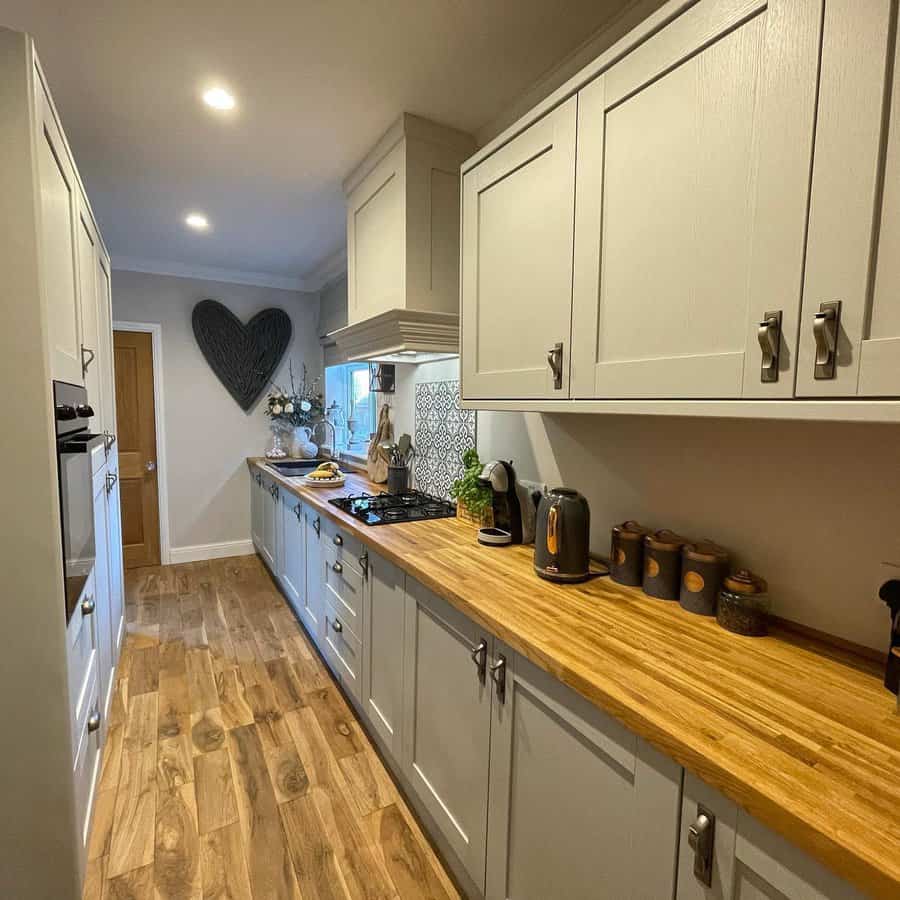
(703, 566)
(626, 557)
(662, 564)
(744, 604)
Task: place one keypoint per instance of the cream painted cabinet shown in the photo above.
(271, 524)
(618, 799)
(60, 230)
(293, 556)
(748, 861)
(516, 291)
(447, 722)
(694, 154)
(384, 609)
(257, 505)
(854, 229)
(312, 610)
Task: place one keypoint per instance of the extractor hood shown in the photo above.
(400, 336)
(403, 246)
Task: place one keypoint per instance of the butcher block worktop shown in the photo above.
(801, 735)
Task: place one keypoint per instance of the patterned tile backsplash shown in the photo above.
(443, 432)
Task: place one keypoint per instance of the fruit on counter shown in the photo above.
(326, 470)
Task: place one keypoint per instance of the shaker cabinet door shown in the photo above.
(694, 153)
(312, 610)
(517, 208)
(854, 230)
(383, 636)
(257, 497)
(59, 231)
(447, 723)
(581, 807)
(293, 562)
(748, 860)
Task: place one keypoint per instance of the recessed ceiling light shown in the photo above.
(197, 221)
(218, 98)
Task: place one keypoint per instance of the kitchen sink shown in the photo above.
(296, 466)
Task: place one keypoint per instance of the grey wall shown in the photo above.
(208, 435)
(333, 306)
(812, 506)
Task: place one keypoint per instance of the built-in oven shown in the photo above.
(74, 446)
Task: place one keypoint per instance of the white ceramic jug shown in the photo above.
(303, 444)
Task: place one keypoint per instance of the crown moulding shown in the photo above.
(400, 331)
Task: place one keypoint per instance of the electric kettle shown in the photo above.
(561, 551)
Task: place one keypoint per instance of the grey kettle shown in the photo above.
(561, 551)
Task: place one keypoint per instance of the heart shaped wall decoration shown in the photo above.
(244, 357)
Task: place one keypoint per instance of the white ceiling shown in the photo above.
(317, 83)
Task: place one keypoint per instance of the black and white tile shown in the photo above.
(443, 432)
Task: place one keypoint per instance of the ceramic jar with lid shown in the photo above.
(703, 566)
(662, 564)
(744, 604)
(626, 558)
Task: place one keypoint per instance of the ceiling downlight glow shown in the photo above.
(218, 98)
(197, 221)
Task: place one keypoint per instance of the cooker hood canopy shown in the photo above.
(400, 336)
(403, 246)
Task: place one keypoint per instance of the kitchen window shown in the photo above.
(348, 386)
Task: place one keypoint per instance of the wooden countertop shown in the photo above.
(802, 736)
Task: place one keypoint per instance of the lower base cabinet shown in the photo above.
(447, 722)
(383, 634)
(530, 790)
(749, 861)
(580, 807)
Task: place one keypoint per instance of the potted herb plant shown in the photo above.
(473, 500)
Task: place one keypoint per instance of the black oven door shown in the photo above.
(76, 496)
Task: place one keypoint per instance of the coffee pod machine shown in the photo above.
(512, 506)
(561, 544)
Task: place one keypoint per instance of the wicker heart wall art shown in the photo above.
(244, 357)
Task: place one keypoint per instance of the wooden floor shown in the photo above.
(234, 768)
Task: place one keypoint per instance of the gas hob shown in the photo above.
(391, 509)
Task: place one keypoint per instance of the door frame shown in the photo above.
(162, 483)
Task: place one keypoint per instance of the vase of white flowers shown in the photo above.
(295, 411)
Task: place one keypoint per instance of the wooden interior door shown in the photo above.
(693, 175)
(136, 427)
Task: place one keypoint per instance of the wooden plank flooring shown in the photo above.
(234, 768)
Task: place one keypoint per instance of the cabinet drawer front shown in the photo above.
(343, 651)
(694, 153)
(82, 634)
(344, 588)
(86, 766)
(343, 546)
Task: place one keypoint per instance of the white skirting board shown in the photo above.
(210, 551)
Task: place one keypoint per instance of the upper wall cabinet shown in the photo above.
(705, 221)
(517, 263)
(60, 231)
(693, 173)
(850, 328)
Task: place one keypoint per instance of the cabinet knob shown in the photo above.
(337, 626)
(338, 540)
(701, 839)
(93, 722)
(88, 605)
(769, 336)
(826, 326)
(317, 524)
(337, 567)
(555, 361)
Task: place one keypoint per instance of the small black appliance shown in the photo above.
(512, 507)
(561, 545)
